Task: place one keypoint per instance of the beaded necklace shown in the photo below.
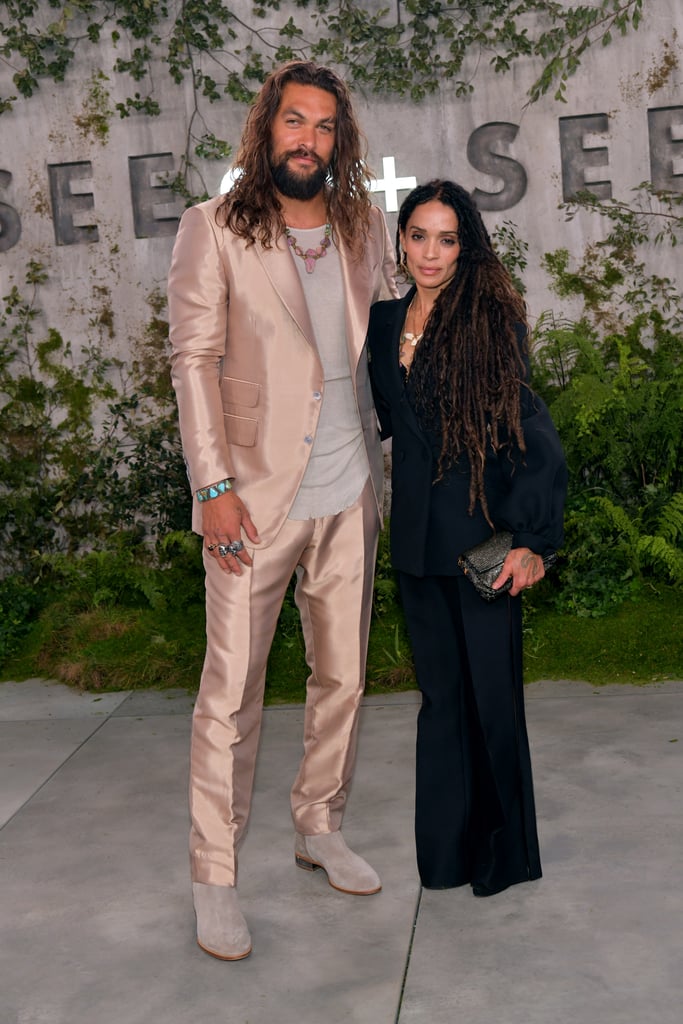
(310, 255)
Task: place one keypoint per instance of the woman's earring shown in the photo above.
(403, 267)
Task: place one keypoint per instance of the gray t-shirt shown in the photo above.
(338, 466)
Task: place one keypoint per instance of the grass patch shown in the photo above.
(390, 662)
(113, 648)
(639, 642)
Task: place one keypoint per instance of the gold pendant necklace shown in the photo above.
(408, 337)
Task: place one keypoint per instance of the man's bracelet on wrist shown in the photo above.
(214, 490)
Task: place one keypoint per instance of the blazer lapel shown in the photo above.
(397, 330)
(395, 376)
(356, 283)
(284, 278)
(357, 298)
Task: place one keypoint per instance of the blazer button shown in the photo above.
(308, 439)
(317, 396)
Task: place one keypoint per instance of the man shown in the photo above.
(269, 295)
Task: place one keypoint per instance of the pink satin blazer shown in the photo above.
(245, 366)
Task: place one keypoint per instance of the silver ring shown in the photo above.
(233, 548)
(210, 547)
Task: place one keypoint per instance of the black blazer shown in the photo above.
(430, 525)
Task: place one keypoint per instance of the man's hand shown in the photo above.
(525, 568)
(223, 519)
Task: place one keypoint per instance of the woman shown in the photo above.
(473, 451)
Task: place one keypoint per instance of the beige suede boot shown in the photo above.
(221, 929)
(345, 870)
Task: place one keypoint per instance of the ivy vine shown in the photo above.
(408, 48)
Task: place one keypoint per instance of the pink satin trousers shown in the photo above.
(334, 558)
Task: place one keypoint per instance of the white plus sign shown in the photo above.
(228, 180)
(390, 184)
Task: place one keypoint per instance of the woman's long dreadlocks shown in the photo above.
(467, 371)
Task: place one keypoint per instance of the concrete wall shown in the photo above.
(93, 211)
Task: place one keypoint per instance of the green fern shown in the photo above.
(659, 553)
(670, 522)
(618, 518)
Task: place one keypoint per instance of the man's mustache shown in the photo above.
(305, 153)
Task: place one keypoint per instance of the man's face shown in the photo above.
(302, 140)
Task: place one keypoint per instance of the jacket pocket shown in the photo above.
(240, 392)
(240, 429)
(237, 396)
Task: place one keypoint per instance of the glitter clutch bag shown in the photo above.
(482, 564)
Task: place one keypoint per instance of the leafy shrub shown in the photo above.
(19, 605)
(94, 501)
(89, 448)
(614, 381)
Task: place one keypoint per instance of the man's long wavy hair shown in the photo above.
(468, 370)
(252, 210)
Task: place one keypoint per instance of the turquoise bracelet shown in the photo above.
(213, 490)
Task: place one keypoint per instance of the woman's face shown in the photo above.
(431, 244)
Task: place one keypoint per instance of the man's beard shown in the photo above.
(298, 186)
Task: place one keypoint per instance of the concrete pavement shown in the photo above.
(97, 927)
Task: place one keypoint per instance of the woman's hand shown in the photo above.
(524, 567)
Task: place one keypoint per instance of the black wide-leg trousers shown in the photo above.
(475, 819)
